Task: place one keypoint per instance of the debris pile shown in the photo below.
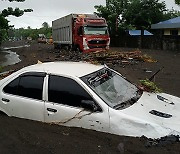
(5, 74)
(147, 85)
(107, 57)
(122, 58)
(163, 141)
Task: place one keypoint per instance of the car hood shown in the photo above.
(162, 111)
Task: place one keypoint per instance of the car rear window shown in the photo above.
(30, 86)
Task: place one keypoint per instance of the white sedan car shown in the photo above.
(84, 95)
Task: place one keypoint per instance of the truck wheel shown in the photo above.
(70, 48)
(55, 46)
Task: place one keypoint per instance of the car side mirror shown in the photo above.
(90, 105)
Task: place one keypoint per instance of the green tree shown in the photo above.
(142, 13)
(177, 2)
(171, 14)
(112, 12)
(4, 26)
(133, 14)
(29, 32)
(45, 25)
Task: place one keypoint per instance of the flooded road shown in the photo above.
(10, 57)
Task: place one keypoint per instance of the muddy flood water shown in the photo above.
(26, 136)
(8, 57)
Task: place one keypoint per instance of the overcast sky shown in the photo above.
(49, 10)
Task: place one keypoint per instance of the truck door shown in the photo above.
(64, 106)
(79, 37)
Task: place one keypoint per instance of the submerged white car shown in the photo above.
(89, 96)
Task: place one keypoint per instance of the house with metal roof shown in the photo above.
(169, 27)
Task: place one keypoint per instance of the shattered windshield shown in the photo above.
(116, 91)
(95, 30)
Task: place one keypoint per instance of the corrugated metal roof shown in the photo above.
(138, 32)
(171, 23)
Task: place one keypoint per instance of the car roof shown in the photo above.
(76, 69)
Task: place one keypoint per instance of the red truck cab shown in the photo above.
(90, 34)
(85, 32)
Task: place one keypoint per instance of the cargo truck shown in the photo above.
(82, 32)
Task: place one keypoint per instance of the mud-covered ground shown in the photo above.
(24, 136)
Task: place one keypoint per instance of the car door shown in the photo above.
(64, 106)
(22, 97)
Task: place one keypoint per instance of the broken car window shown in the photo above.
(116, 91)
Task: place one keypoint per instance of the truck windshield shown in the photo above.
(95, 30)
(116, 91)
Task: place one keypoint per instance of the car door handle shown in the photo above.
(5, 100)
(52, 110)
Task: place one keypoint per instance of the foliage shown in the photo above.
(33, 33)
(4, 22)
(177, 2)
(45, 25)
(15, 12)
(150, 86)
(141, 14)
(171, 14)
(112, 12)
(16, 0)
(3, 28)
(134, 14)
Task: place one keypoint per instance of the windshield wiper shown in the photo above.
(125, 104)
(129, 102)
(97, 78)
(98, 34)
(101, 75)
